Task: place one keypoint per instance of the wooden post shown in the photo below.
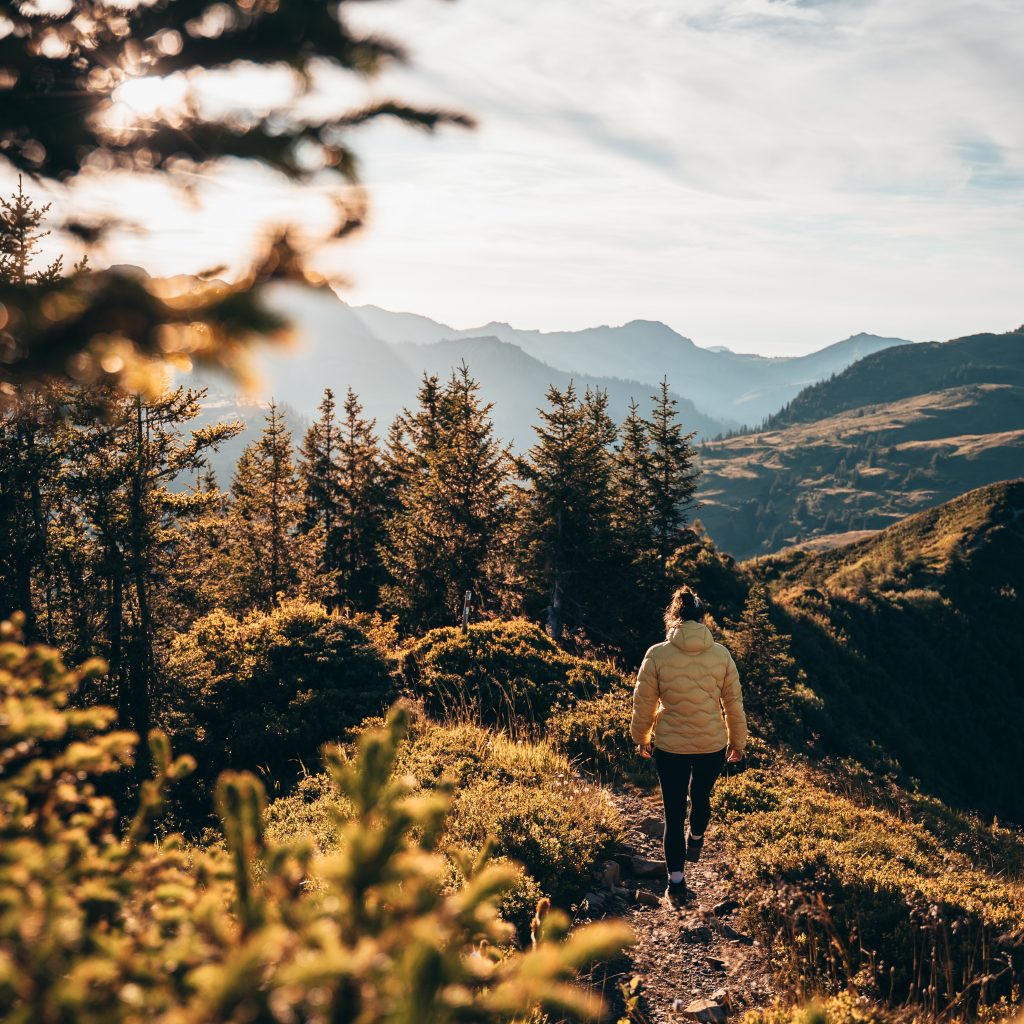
(467, 601)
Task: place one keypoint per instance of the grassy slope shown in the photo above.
(845, 880)
(895, 433)
(912, 638)
(909, 370)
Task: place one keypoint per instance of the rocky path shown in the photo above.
(693, 960)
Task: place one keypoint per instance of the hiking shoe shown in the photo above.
(693, 848)
(676, 891)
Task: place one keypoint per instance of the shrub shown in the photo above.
(522, 796)
(268, 690)
(863, 895)
(595, 731)
(116, 930)
(556, 831)
(845, 1008)
(505, 673)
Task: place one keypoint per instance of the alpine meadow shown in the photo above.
(360, 669)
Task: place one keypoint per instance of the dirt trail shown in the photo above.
(683, 953)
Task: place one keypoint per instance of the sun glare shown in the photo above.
(147, 98)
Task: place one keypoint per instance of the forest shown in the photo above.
(257, 634)
(344, 736)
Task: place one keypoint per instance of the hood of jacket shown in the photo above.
(691, 637)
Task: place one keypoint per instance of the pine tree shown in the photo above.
(20, 236)
(320, 481)
(363, 509)
(632, 501)
(766, 666)
(198, 580)
(30, 441)
(569, 534)
(268, 555)
(123, 457)
(451, 477)
(671, 473)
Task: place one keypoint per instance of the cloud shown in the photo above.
(767, 174)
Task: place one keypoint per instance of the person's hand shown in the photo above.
(733, 756)
(643, 749)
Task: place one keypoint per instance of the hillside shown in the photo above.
(936, 420)
(908, 370)
(912, 639)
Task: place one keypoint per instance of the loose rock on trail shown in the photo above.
(694, 960)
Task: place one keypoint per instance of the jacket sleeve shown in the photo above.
(646, 695)
(732, 702)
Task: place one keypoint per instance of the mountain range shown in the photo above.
(382, 356)
(894, 433)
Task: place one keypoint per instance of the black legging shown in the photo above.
(680, 774)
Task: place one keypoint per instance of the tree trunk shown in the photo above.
(141, 670)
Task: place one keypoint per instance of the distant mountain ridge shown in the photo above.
(382, 356)
(904, 371)
(336, 347)
(895, 433)
(723, 384)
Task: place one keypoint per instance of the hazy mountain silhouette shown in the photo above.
(337, 346)
(723, 384)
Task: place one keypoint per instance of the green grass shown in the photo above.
(523, 796)
(846, 889)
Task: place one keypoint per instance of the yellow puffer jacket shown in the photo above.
(684, 685)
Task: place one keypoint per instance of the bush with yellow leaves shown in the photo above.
(101, 927)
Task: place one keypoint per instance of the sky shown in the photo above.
(770, 175)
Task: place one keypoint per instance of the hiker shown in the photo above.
(689, 687)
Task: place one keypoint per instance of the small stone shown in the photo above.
(700, 934)
(707, 1011)
(610, 875)
(720, 996)
(716, 963)
(641, 867)
(725, 908)
(595, 901)
(647, 898)
(652, 827)
(725, 930)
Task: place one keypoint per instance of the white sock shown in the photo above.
(675, 876)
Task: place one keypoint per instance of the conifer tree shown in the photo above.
(766, 666)
(570, 551)
(20, 236)
(364, 504)
(451, 478)
(31, 449)
(198, 580)
(30, 440)
(269, 556)
(320, 480)
(633, 520)
(122, 459)
(344, 485)
(671, 473)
